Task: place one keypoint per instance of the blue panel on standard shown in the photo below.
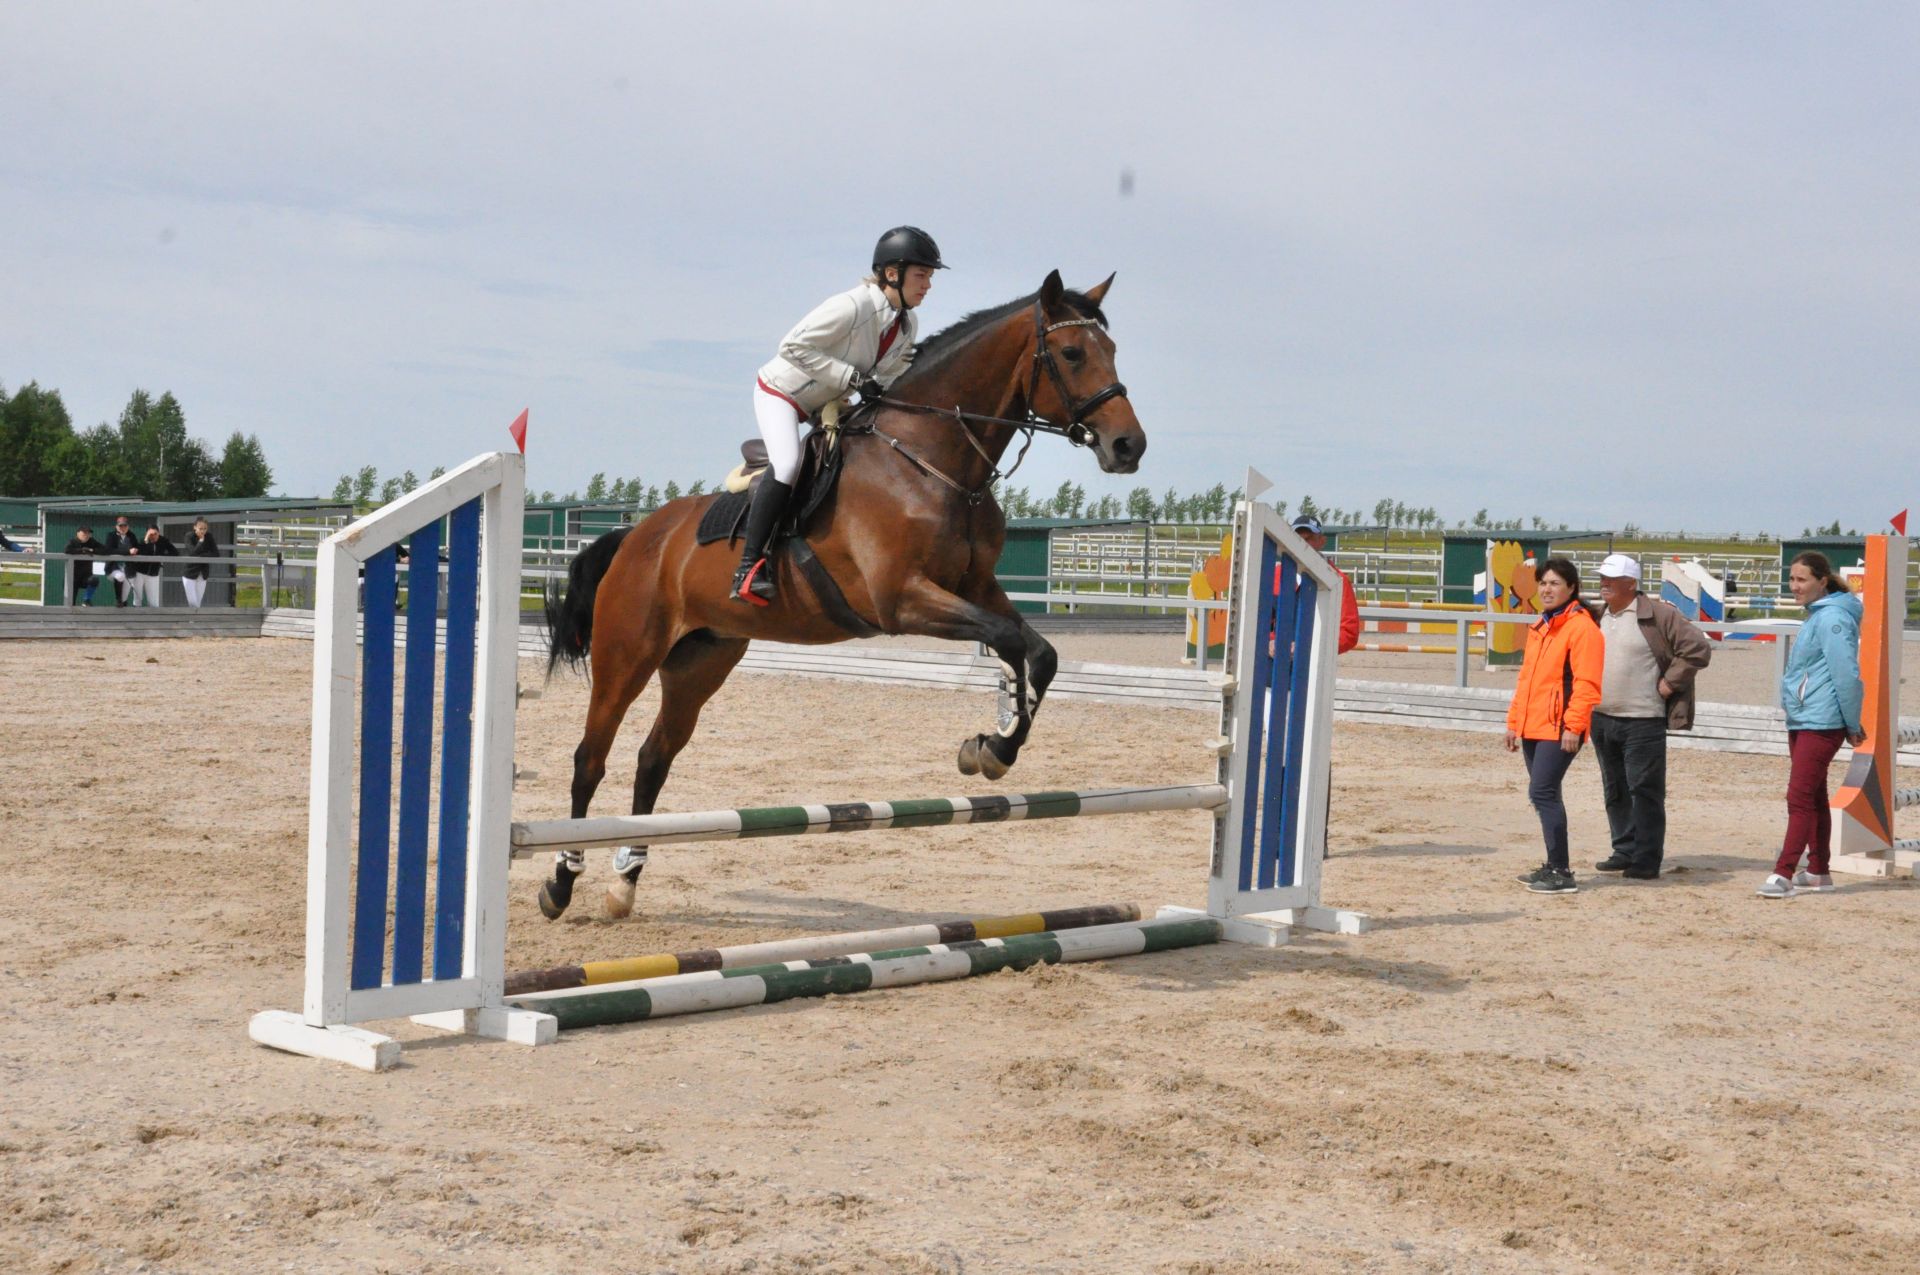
(1294, 790)
(416, 757)
(1279, 690)
(456, 739)
(1260, 614)
(378, 585)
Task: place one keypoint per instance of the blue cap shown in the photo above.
(1309, 524)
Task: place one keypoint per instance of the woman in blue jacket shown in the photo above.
(1821, 693)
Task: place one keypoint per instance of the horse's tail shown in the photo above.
(569, 607)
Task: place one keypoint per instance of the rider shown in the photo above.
(857, 340)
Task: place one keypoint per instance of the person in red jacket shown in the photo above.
(1552, 709)
(1307, 527)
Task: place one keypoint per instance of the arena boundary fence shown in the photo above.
(385, 893)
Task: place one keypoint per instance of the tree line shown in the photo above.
(146, 454)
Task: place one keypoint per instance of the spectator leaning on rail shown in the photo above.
(85, 574)
(146, 580)
(1552, 710)
(121, 542)
(200, 544)
(9, 546)
(1646, 690)
(1822, 694)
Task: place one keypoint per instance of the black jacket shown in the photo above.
(82, 571)
(152, 552)
(116, 545)
(200, 547)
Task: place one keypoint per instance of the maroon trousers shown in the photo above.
(1809, 820)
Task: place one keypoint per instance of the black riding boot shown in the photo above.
(753, 582)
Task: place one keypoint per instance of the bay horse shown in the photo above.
(910, 536)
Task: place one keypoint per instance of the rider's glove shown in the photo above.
(870, 390)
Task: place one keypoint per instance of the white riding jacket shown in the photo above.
(837, 344)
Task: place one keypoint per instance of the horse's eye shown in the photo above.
(1071, 353)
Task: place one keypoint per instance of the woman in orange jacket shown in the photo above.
(1552, 708)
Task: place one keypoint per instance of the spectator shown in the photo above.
(1307, 527)
(86, 575)
(1646, 690)
(1552, 710)
(153, 547)
(9, 545)
(200, 544)
(1822, 694)
(121, 542)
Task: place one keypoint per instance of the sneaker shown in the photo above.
(1528, 878)
(1640, 872)
(1813, 883)
(1775, 887)
(1613, 863)
(1551, 880)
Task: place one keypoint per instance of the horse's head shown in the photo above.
(1074, 381)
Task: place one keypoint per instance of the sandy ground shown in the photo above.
(1643, 1077)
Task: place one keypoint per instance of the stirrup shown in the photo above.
(754, 583)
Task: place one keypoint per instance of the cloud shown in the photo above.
(1451, 255)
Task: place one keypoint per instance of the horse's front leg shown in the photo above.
(1020, 699)
(925, 608)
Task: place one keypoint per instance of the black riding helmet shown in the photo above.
(906, 246)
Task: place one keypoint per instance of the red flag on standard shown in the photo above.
(519, 431)
(1899, 522)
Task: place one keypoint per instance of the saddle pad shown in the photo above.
(723, 518)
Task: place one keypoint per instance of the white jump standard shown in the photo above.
(396, 874)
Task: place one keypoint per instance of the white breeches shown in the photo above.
(196, 590)
(780, 425)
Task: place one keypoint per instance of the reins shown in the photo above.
(1075, 431)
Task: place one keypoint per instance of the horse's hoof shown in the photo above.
(620, 896)
(977, 757)
(555, 894)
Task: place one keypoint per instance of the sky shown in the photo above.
(1604, 264)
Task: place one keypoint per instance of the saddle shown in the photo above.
(821, 456)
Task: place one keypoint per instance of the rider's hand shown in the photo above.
(870, 390)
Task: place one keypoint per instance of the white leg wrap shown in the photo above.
(628, 858)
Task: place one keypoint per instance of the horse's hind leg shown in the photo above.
(621, 670)
(696, 668)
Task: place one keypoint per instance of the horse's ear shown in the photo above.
(1052, 290)
(1098, 292)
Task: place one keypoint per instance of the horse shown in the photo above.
(910, 537)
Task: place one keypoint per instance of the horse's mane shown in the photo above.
(940, 348)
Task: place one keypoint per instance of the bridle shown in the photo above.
(1075, 430)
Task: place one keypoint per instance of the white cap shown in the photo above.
(1619, 566)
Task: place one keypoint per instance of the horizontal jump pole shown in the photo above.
(858, 972)
(1904, 797)
(854, 816)
(813, 947)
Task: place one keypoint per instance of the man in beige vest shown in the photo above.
(1646, 689)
